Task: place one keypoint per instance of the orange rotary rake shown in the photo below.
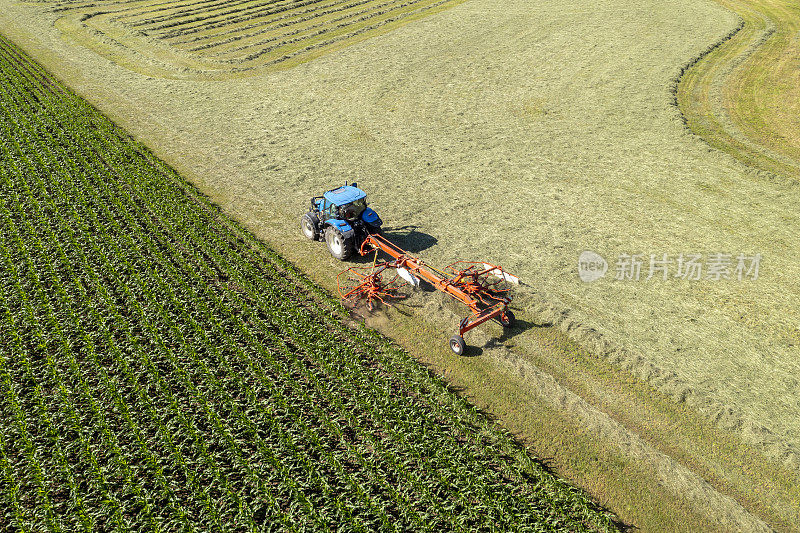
(482, 287)
(368, 283)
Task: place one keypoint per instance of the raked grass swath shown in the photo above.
(160, 369)
(185, 38)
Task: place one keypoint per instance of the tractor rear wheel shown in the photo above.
(339, 247)
(308, 225)
(457, 344)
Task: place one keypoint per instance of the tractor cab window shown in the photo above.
(353, 210)
(327, 209)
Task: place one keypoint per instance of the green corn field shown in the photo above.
(162, 370)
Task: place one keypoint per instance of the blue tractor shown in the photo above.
(342, 218)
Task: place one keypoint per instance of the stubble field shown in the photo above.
(520, 133)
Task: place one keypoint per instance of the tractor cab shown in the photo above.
(340, 217)
(346, 203)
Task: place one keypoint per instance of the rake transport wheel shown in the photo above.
(308, 225)
(339, 247)
(506, 319)
(457, 344)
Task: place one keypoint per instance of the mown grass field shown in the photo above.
(189, 38)
(160, 369)
(523, 133)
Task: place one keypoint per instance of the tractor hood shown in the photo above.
(344, 195)
(371, 217)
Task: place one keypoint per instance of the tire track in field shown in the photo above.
(672, 474)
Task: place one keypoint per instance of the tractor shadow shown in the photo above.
(409, 239)
(406, 237)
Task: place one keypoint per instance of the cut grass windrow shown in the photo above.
(742, 96)
(213, 37)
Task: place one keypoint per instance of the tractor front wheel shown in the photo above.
(338, 246)
(457, 344)
(308, 225)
